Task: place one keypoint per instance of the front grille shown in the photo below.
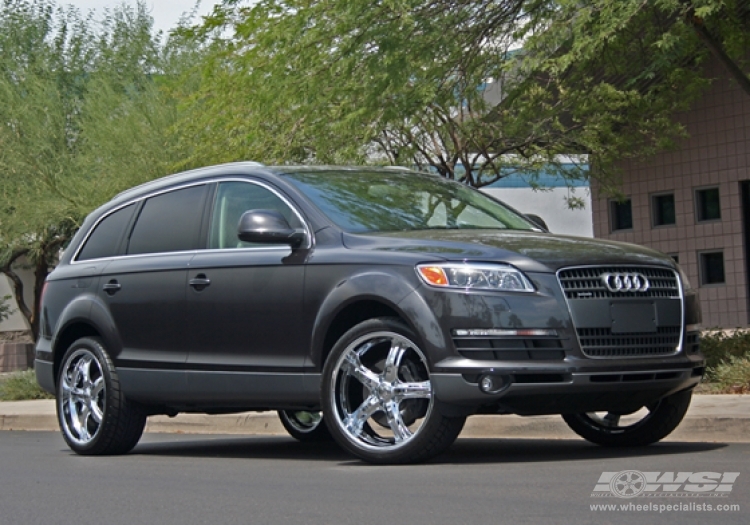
(510, 349)
(601, 342)
(587, 283)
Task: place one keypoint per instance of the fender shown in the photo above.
(422, 320)
(89, 309)
(392, 287)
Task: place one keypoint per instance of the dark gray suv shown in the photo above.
(375, 307)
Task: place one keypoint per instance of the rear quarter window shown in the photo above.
(106, 239)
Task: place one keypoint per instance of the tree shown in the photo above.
(636, 62)
(438, 84)
(81, 118)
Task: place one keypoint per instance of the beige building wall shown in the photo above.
(716, 154)
(17, 322)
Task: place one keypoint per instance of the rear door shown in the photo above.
(145, 292)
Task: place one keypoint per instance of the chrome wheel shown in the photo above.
(304, 425)
(94, 415)
(83, 395)
(383, 390)
(302, 420)
(378, 398)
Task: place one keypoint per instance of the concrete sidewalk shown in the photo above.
(724, 418)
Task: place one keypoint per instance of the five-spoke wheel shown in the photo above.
(94, 416)
(643, 427)
(378, 397)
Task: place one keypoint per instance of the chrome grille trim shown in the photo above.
(585, 283)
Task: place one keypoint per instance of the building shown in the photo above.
(693, 203)
(550, 202)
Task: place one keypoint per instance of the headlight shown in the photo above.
(471, 276)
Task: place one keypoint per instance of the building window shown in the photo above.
(707, 204)
(712, 268)
(621, 215)
(662, 209)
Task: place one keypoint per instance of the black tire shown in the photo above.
(378, 399)
(94, 416)
(304, 425)
(662, 418)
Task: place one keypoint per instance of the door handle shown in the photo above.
(199, 282)
(112, 287)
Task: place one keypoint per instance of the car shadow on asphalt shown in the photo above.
(463, 451)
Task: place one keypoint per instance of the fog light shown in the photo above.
(490, 384)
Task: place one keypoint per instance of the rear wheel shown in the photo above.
(94, 416)
(648, 425)
(304, 425)
(378, 399)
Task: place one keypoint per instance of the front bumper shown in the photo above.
(558, 389)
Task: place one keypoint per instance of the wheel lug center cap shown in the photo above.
(385, 391)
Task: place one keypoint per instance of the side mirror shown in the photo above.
(269, 227)
(536, 219)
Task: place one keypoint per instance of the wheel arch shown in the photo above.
(86, 317)
(351, 315)
(370, 294)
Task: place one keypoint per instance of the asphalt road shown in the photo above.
(193, 479)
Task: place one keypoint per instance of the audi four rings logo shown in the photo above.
(625, 282)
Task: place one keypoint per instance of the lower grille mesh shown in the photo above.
(600, 342)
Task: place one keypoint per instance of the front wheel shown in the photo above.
(648, 425)
(304, 425)
(378, 399)
(94, 416)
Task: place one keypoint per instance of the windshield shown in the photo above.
(381, 201)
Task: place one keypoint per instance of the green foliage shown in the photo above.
(622, 69)
(733, 376)
(438, 84)
(21, 386)
(721, 347)
(85, 112)
(350, 82)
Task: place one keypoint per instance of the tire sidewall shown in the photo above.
(659, 423)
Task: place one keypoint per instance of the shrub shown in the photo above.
(733, 375)
(719, 347)
(19, 386)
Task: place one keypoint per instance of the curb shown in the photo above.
(706, 423)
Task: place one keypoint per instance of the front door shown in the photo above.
(244, 306)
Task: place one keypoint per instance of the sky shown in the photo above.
(166, 13)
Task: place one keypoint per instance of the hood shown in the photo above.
(527, 250)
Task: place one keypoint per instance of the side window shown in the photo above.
(169, 222)
(235, 198)
(104, 241)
